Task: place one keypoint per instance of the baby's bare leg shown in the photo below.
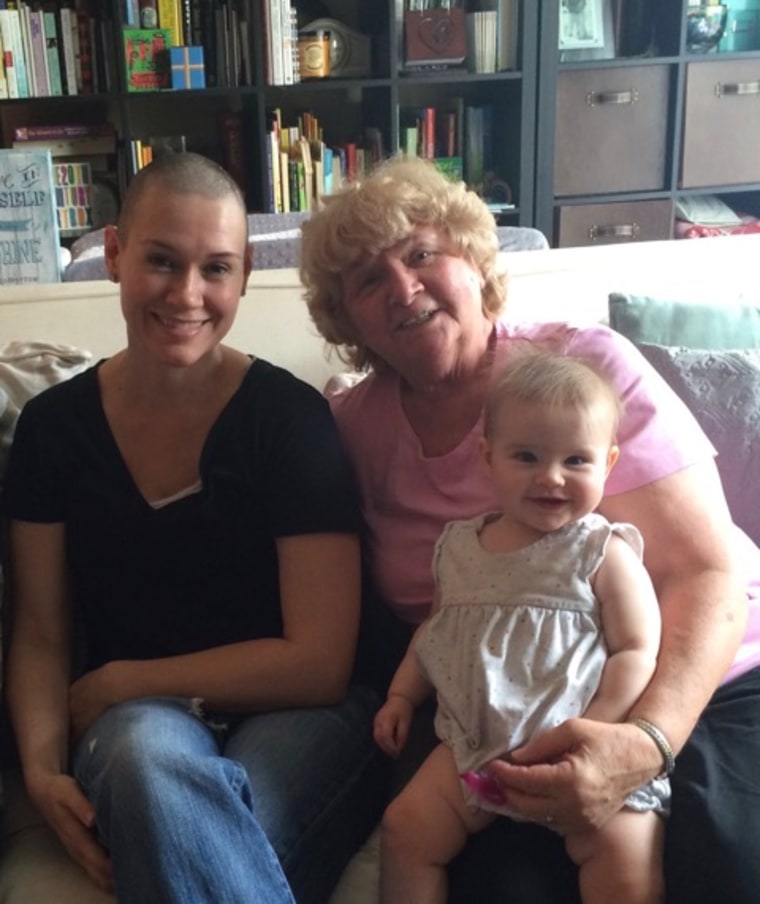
(423, 829)
(622, 861)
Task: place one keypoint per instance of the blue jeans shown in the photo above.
(197, 813)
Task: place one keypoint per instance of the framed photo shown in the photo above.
(581, 24)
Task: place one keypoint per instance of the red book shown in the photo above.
(85, 48)
(428, 132)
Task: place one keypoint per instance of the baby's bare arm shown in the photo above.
(631, 624)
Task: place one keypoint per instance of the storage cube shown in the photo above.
(611, 130)
(615, 223)
(721, 124)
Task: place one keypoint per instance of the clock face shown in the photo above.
(349, 50)
(339, 52)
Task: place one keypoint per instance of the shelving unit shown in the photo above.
(648, 131)
(344, 106)
(580, 174)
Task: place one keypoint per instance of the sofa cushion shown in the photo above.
(695, 324)
(722, 389)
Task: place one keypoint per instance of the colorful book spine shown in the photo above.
(168, 18)
(147, 59)
(9, 61)
(17, 46)
(73, 195)
(3, 77)
(29, 238)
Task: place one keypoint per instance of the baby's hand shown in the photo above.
(392, 724)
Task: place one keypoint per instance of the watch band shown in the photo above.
(663, 745)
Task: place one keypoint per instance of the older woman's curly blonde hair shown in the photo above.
(365, 217)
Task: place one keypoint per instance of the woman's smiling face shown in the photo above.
(182, 267)
(418, 306)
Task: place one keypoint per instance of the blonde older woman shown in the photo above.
(400, 275)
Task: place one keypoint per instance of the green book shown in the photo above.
(146, 52)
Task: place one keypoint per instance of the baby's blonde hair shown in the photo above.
(553, 380)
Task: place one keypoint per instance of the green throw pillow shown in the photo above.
(725, 325)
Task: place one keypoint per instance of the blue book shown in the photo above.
(327, 159)
(29, 238)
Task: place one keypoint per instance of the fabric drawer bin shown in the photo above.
(721, 124)
(614, 224)
(611, 130)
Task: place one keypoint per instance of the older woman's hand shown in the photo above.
(576, 776)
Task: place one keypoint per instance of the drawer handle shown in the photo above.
(733, 89)
(614, 231)
(612, 97)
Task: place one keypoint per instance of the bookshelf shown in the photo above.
(363, 108)
(392, 88)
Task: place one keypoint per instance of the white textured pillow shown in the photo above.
(722, 389)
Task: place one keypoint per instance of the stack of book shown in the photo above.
(280, 25)
(83, 155)
(302, 166)
(51, 49)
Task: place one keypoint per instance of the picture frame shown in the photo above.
(581, 24)
(601, 51)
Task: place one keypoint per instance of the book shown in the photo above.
(274, 33)
(83, 146)
(506, 38)
(66, 130)
(39, 53)
(66, 21)
(208, 40)
(231, 134)
(147, 59)
(85, 79)
(73, 197)
(186, 18)
(9, 63)
(29, 240)
(53, 57)
(24, 12)
(168, 18)
(3, 77)
(11, 24)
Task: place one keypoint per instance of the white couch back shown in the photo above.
(556, 284)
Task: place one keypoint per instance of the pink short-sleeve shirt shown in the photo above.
(407, 498)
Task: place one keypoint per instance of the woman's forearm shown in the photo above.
(703, 622)
(37, 685)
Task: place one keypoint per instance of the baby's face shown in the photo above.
(549, 465)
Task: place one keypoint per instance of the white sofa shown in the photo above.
(273, 323)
